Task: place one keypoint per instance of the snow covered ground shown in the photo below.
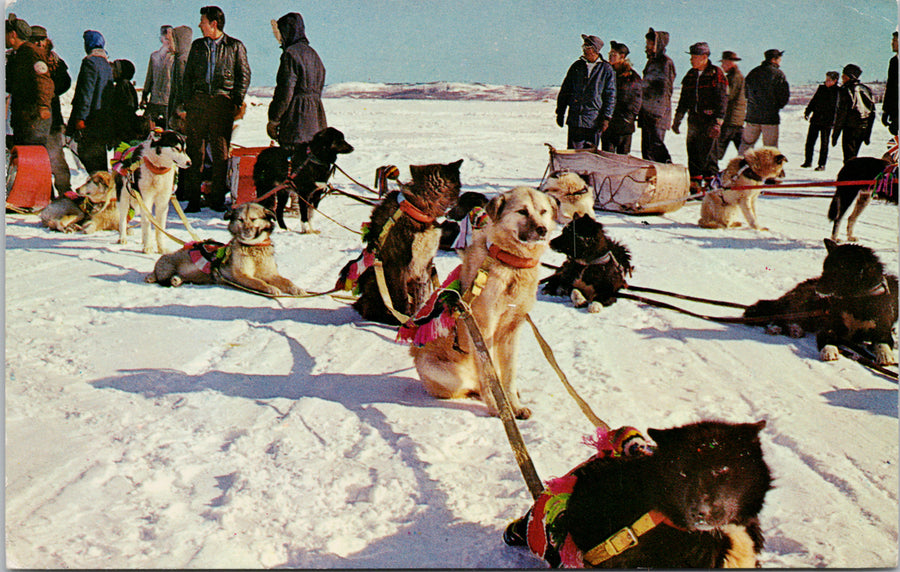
(204, 427)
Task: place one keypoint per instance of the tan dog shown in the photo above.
(719, 208)
(520, 223)
(574, 195)
(248, 260)
(93, 210)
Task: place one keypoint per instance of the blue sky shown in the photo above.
(518, 42)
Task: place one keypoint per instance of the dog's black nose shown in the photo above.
(541, 231)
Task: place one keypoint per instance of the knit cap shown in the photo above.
(19, 26)
(852, 71)
(93, 40)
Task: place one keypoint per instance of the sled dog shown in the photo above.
(93, 209)
(150, 173)
(248, 260)
(853, 301)
(508, 247)
(720, 207)
(860, 169)
(693, 502)
(574, 194)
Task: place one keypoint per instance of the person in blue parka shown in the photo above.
(589, 93)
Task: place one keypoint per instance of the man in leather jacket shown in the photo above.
(216, 78)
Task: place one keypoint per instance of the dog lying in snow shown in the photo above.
(93, 209)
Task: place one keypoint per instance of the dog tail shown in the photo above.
(764, 308)
(841, 201)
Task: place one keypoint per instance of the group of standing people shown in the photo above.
(606, 101)
(196, 87)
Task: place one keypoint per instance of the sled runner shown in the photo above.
(627, 184)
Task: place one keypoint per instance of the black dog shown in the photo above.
(852, 302)
(595, 266)
(310, 167)
(450, 227)
(860, 169)
(272, 169)
(693, 503)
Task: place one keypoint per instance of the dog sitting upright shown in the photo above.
(149, 170)
(248, 260)
(404, 236)
(574, 194)
(311, 166)
(595, 267)
(861, 169)
(853, 301)
(693, 502)
(508, 248)
(720, 207)
(92, 209)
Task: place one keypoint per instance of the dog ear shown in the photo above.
(494, 208)
(780, 159)
(555, 204)
(830, 245)
(270, 216)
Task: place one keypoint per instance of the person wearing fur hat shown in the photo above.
(59, 72)
(296, 112)
(617, 137)
(87, 124)
(158, 81)
(767, 92)
(589, 93)
(855, 113)
(29, 84)
(655, 116)
(704, 96)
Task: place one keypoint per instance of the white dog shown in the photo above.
(574, 195)
(151, 174)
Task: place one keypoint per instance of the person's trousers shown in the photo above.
(619, 143)
(210, 119)
(822, 133)
(851, 141)
(157, 113)
(752, 131)
(581, 138)
(653, 147)
(58, 165)
(730, 134)
(699, 147)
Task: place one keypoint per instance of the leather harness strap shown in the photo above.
(626, 538)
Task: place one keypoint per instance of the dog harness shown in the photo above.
(886, 182)
(207, 255)
(546, 534)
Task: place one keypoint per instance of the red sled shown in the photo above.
(30, 177)
(240, 174)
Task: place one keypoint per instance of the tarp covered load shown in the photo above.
(623, 183)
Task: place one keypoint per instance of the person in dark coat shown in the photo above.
(655, 116)
(215, 82)
(88, 125)
(617, 137)
(767, 92)
(589, 93)
(59, 72)
(855, 113)
(735, 111)
(820, 112)
(29, 85)
(126, 125)
(889, 105)
(704, 96)
(296, 112)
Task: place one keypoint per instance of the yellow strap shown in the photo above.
(385, 293)
(620, 541)
(183, 218)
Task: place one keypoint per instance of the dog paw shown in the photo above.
(523, 413)
(150, 250)
(296, 291)
(795, 331)
(829, 353)
(176, 281)
(852, 238)
(761, 228)
(578, 298)
(773, 330)
(594, 307)
(150, 278)
(884, 355)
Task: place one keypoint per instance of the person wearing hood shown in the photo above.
(158, 81)
(589, 93)
(296, 112)
(767, 92)
(655, 116)
(87, 124)
(126, 125)
(59, 72)
(855, 114)
(215, 83)
(182, 36)
(29, 85)
(617, 137)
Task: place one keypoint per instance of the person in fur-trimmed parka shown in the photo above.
(655, 117)
(296, 112)
(617, 137)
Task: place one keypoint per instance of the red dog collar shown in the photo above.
(413, 212)
(154, 169)
(511, 259)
